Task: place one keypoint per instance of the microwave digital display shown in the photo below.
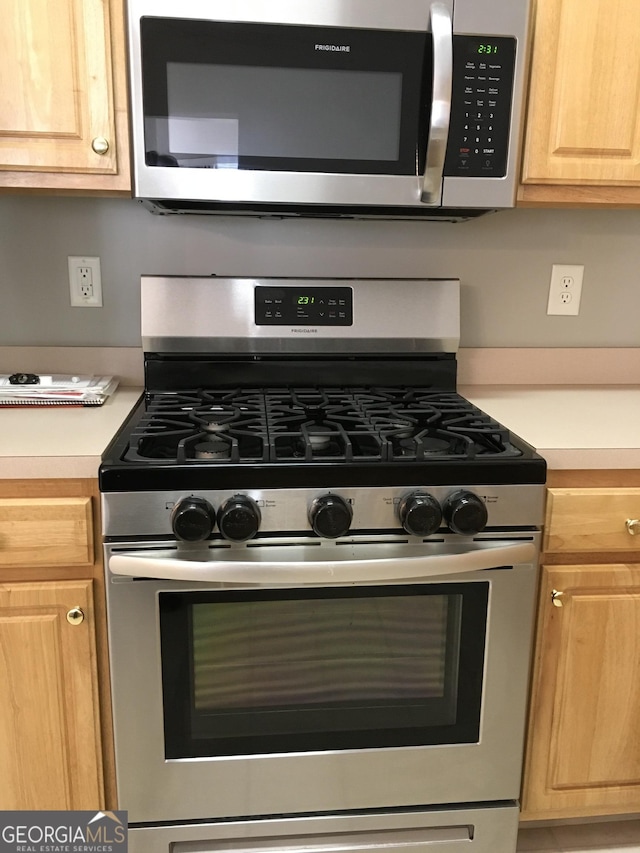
(486, 49)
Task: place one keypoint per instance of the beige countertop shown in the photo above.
(572, 427)
(60, 442)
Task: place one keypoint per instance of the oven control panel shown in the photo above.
(303, 306)
(240, 516)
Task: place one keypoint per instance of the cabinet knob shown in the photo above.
(75, 616)
(100, 145)
(556, 598)
(633, 526)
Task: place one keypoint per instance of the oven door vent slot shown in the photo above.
(282, 545)
(515, 538)
(390, 841)
(394, 541)
(126, 549)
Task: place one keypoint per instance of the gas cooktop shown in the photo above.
(365, 432)
(306, 383)
(311, 425)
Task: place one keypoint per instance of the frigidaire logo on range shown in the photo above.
(344, 48)
(63, 832)
(305, 331)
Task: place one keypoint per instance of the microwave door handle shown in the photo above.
(262, 572)
(442, 32)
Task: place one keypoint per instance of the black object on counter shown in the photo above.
(24, 379)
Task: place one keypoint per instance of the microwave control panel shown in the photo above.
(483, 72)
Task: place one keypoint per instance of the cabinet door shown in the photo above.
(583, 124)
(61, 72)
(587, 521)
(46, 532)
(50, 750)
(583, 750)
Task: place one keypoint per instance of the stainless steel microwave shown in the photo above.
(360, 108)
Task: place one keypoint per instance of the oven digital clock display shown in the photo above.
(313, 306)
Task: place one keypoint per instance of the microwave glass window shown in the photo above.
(266, 672)
(228, 95)
(217, 113)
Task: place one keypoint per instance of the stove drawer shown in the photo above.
(45, 532)
(596, 520)
(461, 829)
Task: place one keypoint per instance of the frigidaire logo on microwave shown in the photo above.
(345, 48)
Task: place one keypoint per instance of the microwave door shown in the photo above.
(442, 33)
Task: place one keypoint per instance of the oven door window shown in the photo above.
(284, 98)
(261, 672)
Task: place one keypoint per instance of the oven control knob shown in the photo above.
(330, 516)
(465, 513)
(193, 519)
(239, 518)
(420, 514)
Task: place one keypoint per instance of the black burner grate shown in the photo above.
(314, 424)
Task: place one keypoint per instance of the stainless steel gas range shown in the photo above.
(321, 564)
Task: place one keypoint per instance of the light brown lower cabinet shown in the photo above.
(50, 748)
(582, 755)
(56, 744)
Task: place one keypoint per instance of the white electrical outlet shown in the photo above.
(565, 289)
(85, 282)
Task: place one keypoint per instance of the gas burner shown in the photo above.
(318, 436)
(215, 419)
(402, 428)
(313, 441)
(212, 450)
(429, 446)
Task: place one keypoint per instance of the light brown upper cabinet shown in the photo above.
(582, 136)
(63, 111)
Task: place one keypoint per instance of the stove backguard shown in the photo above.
(227, 315)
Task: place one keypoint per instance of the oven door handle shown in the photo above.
(442, 32)
(261, 571)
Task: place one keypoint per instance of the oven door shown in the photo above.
(255, 698)
(291, 104)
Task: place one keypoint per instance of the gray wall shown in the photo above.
(503, 260)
